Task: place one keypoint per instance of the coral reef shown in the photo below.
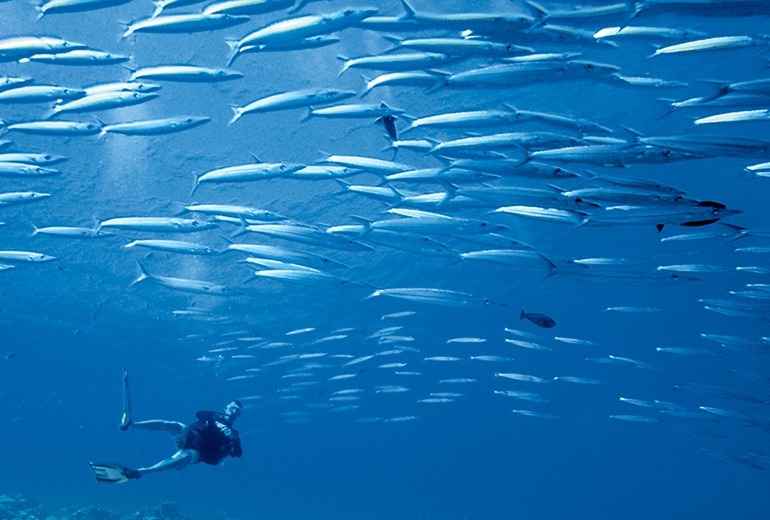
(21, 507)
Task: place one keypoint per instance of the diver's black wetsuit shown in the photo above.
(213, 437)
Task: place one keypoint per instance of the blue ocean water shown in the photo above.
(463, 409)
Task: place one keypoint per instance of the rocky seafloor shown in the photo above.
(22, 507)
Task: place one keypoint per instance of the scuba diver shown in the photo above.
(210, 439)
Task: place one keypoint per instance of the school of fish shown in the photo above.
(324, 197)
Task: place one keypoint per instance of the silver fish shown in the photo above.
(157, 224)
(173, 246)
(62, 128)
(166, 125)
(184, 284)
(78, 57)
(184, 23)
(246, 172)
(103, 101)
(24, 256)
(290, 100)
(185, 73)
(20, 197)
(432, 296)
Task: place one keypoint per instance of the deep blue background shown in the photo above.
(74, 323)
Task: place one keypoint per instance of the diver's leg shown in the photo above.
(177, 461)
(126, 421)
(171, 427)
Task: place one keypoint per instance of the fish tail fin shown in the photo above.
(180, 208)
(522, 315)
(345, 65)
(235, 51)
(368, 88)
(442, 80)
(309, 114)
(228, 240)
(159, 5)
(636, 136)
(143, 274)
(363, 220)
(196, 183)
(243, 228)
(540, 13)
(344, 186)
(237, 113)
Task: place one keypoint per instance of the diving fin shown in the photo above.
(113, 473)
(125, 421)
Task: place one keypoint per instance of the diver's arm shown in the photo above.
(177, 461)
(171, 427)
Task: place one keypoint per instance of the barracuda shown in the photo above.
(184, 284)
(103, 101)
(290, 100)
(246, 172)
(154, 126)
(39, 93)
(173, 246)
(397, 62)
(191, 73)
(300, 28)
(78, 57)
(18, 47)
(289, 256)
(184, 23)
(157, 224)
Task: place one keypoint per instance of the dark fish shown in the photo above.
(541, 320)
(389, 122)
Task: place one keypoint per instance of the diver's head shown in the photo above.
(233, 409)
